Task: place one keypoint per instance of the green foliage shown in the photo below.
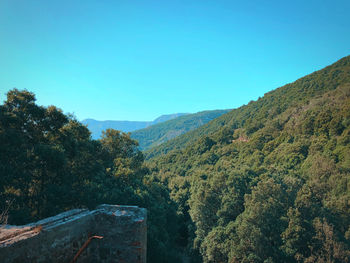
(49, 164)
(269, 181)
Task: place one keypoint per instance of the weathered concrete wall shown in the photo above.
(59, 238)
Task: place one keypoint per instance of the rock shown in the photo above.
(58, 239)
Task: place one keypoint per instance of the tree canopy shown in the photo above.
(49, 164)
(269, 181)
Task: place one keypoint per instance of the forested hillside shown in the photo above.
(269, 181)
(97, 127)
(272, 103)
(159, 133)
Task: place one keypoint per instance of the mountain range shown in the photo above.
(157, 134)
(96, 127)
(153, 133)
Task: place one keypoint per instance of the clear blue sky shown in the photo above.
(136, 60)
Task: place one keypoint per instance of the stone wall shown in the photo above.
(58, 239)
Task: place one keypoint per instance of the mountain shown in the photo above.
(275, 101)
(166, 130)
(269, 181)
(167, 117)
(96, 127)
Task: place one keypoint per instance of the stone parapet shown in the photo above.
(59, 238)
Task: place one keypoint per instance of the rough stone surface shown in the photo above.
(59, 238)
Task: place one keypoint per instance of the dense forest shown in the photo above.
(49, 164)
(267, 182)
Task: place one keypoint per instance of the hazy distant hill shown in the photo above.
(162, 132)
(96, 127)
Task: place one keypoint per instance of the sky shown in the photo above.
(136, 60)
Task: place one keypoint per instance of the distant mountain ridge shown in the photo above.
(164, 131)
(96, 127)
